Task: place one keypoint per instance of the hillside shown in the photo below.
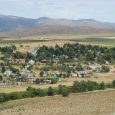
(97, 103)
(12, 26)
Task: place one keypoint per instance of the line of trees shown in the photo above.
(83, 86)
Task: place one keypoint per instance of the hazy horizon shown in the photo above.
(75, 9)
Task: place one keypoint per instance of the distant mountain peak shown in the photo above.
(46, 25)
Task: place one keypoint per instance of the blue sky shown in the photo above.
(103, 10)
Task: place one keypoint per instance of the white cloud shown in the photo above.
(98, 9)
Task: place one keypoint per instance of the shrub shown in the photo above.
(50, 91)
(60, 88)
(109, 85)
(79, 86)
(26, 94)
(42, 93)
(92, 85)
(105, 69)
(65, 91)
(36, 92)
(113, 83)
(53, 80)
(3, 97)
(15, 95)
(102, 86)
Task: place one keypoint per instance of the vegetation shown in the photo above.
(70, 51)
(83, 86)
(105, 69)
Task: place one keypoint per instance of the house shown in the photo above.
(44, 61)
(64, 74)
(8, 72)
(74, 74)
(3, 85)
(20, 61)
(44, 74)
(81, 74)
(93, 67)
(40, 65)
(47, 81)
(31, 62)
(10, 60)
(27, 66)
(29, 75)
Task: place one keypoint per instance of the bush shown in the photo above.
(36, 92)
(50, 91)
(79, 86)
(105, 69)
(109, 85)
(15, 95)
(113, 83)
(53, 80)
(26, 94)
(3, 97)
(65, 91)
(42, 93)
(60, 87)
(84, 86)
(92, 85)
(102, 86)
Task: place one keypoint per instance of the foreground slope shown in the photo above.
(96, 103)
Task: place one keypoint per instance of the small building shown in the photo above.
(20, 61)
(74, 74)
(31, 62)
(81, 74)
(44, 74)
(93, 67)
(8, 72)
(3, 85)
(29, 75)
(47, 81)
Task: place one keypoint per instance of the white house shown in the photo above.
(31, 62)
(8, 72)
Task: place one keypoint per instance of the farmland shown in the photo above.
(95, 103)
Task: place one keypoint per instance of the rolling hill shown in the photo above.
(12, 26)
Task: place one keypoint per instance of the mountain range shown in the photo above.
(13, 26)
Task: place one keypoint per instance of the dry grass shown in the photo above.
(96, 103)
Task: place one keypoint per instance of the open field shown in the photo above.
(95, 103)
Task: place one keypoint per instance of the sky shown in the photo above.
(103, 10)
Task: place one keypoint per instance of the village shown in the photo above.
(37, 66)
